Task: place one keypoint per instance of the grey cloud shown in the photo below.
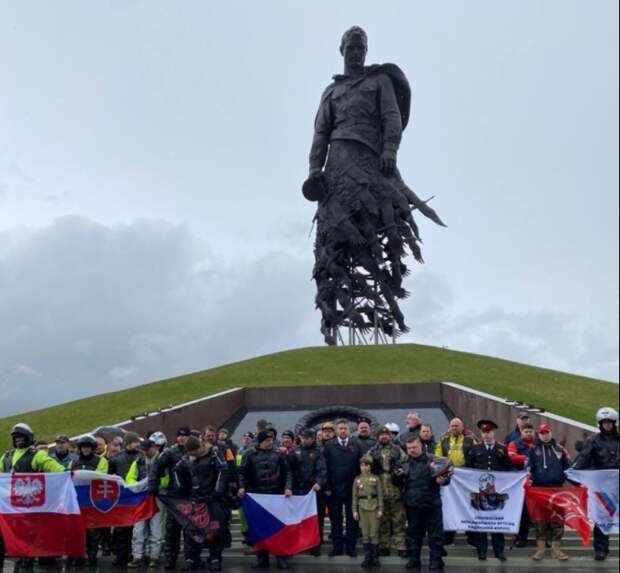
(93, 308)
(552, 339)
(88, 308)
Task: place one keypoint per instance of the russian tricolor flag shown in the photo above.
(107, 501)
(282, 525)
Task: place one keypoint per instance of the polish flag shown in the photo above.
(282, 525)
(40, 515)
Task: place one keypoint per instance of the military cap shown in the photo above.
(486, 425)
(184, 431)
(225, 430)
(366, 459)
(328, 426)
(383, 430)
(249, 435)
(364, 419)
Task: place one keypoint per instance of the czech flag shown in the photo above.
(40, 515)
(282, 525)
(106, 501)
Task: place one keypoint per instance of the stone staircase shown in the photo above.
(460, 554)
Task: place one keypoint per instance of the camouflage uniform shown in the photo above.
(394, 520)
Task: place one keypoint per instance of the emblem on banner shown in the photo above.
(27, 490)
(487, 498)
(104, 494)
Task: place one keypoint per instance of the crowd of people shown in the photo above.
(383, 487)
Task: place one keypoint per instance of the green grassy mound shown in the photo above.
(568, 395)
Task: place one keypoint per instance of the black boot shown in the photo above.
(600, 556)
(335, 551)
(262, 560)
(414, 561)
(437, 565)
(282, 563)
(367, 562)
(192, 564)
(374, 552)
(385, 551)
(215, 560)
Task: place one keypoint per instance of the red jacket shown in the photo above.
(517, 452)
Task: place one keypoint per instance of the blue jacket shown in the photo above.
(547, 463)
(512, 436)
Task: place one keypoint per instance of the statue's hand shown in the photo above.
(387, 163)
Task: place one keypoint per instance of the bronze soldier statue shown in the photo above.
(364, 215)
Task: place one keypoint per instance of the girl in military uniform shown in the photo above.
(368, 509)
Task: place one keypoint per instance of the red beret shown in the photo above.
(544, 428)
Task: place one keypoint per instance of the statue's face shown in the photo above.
(354, 52)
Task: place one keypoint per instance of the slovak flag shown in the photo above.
(107, 501)
(282, 525)
(40, 515)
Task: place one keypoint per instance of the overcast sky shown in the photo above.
(152, 155)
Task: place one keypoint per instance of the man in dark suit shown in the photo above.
(489, 455)
(342, 461)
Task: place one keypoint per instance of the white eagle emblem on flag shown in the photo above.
(27, 490)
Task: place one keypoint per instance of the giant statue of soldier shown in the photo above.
(364, 215)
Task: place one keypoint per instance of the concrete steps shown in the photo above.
(459, 554)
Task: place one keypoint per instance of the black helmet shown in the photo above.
(23, 430)
(87, 440)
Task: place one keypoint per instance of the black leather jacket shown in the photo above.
(307, 468)
(119, 465)
(265, 471)
(600, 452)
(164, 465)
(205, 476)
(418, 483)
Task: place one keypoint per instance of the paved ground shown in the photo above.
(235, 565)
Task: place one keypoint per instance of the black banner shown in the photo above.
(205, 521)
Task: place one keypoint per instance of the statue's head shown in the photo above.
(353, 47)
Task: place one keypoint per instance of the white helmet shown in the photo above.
(607, 413)
(22, 429)
(393, 427)
(158, 438)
